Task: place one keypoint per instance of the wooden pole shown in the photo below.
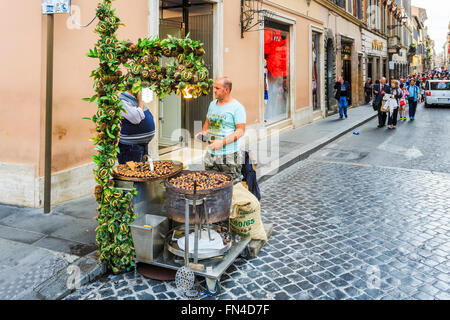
(48, 115)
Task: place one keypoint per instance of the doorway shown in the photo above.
(178, 18)
(315, 76)
(276, 71)
(330, 60)
(347, 73)
(169, 107)
(369, 69)
(346, 57)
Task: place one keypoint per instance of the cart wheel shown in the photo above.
(213, 286)
(245, 253)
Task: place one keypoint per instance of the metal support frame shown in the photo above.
(250, 8)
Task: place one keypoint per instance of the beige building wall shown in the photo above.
(71, 145)
(20, 83)
(243, 58)
(241, 61)
(340, 28)
(22, 87)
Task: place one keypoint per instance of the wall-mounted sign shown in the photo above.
(55, 6)
(377, 45)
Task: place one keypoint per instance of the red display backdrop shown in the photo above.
(276, 52)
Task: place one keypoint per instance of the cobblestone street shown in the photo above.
(341, 231)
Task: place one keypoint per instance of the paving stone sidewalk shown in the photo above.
(340, 233)
(58, 240)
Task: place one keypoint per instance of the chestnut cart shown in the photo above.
(160, 238)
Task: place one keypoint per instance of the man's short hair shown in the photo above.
(227, 82)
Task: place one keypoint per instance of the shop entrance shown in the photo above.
(316, 80)
(276, 72)
(330, 75)
(369, 69)
(178, 18)
(347, 73)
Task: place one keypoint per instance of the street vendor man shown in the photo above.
(223, 127)
(137, 128)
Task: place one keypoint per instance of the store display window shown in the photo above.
(276, 72)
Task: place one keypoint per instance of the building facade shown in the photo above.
(278, 78)
(284, 58)
(419, 16)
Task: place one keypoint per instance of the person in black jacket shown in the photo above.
(343, 93)
(379, 90)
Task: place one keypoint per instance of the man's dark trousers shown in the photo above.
(378, 100)
(381, 117)
(412, 108)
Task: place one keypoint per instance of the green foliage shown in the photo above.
(115, 209)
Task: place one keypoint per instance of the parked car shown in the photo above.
(437, 92)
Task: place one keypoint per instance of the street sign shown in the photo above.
(391, 65)
(55, 6)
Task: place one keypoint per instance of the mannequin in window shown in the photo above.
(314, 75)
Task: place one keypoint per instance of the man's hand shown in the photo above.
(197, 136)
(217, 144)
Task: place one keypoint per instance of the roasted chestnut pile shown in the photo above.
(133, 169)
(204, 180)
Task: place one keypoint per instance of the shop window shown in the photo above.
(358, 9)
(276, 72)
(350, 6)
(315, 77)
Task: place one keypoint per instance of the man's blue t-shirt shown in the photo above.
(222, 123)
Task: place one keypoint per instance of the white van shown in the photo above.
(437, 92)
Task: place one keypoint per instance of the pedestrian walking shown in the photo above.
(379, 91)
(368, 90)
(413, 96)
(393, 104)
(223, 127)
(402, 103)
(343, 92)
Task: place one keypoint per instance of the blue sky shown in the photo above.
(438, 12)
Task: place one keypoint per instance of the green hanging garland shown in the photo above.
(115, 211)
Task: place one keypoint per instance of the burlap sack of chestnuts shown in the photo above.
(245, 219)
